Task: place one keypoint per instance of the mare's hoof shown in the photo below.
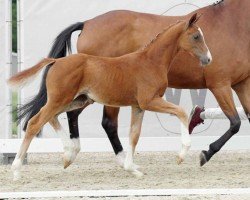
(203, 158)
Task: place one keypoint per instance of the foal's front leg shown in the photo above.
(135, 130)
(162, 106)
(71, 143)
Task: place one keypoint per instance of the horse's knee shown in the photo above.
(235, 126)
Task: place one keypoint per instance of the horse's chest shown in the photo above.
(162, 89)
(162, 86)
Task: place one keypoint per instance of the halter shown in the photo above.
(217, 2)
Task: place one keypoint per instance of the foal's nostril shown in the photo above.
(208, 60)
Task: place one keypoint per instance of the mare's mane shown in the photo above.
(217, 2)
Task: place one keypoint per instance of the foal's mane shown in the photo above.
(159, 34)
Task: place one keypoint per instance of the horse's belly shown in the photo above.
(114, 99)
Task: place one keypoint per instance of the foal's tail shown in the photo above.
(22, 78)
(61, 45)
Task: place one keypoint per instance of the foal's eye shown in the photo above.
(196, 37)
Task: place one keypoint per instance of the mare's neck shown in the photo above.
(164, 47)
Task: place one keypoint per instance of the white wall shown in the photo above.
(43, 20)
(5, 68)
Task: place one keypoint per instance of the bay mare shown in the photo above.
(138, 80)
(104, 36)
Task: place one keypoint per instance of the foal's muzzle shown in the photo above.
(206, 59)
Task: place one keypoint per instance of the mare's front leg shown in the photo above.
(110, 125)
(162, 106)
(224, 97)
(135, 130)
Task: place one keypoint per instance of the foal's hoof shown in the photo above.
(66, 163)
(68, 158)
(203, 158)
(179, 160)
(16, 175)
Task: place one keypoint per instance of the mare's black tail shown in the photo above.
(61, 45)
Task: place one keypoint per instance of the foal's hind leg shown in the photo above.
(71, 147)
(135, 130)
(162, 106)
(34, 126)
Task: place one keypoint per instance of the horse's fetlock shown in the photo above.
(235, 127)
(214, 148)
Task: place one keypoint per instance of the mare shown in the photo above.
(104, 36)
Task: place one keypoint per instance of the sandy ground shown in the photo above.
(100, 171)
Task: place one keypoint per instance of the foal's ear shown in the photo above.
(193, 20)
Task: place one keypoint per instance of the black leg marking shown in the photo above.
(214, 147)
(73, 123)
(111, 129)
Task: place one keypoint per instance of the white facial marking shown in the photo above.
(208, 52)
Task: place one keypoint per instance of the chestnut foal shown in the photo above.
(138, 80)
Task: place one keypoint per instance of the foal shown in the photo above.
(138, 80)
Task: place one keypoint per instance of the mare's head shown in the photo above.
(192, 41)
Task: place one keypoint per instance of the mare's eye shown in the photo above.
(196, 37)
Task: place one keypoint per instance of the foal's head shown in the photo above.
(192, 41)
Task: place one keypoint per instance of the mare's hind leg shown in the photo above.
(135, 130)
(110, 125)
(34, 126)
(242, 89)
(162, 106)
